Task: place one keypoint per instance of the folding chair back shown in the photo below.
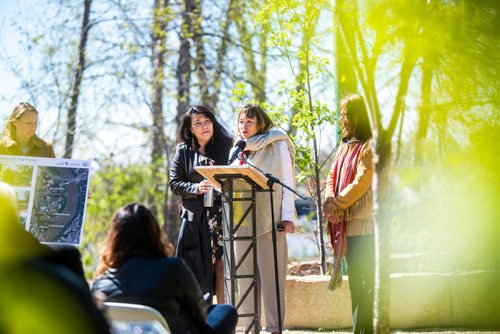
(129, 313)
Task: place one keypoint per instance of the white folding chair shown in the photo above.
(134, 313)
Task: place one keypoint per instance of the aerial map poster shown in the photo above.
(51, 195)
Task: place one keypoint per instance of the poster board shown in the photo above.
(51, 195)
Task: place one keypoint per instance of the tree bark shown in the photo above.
(424, 112)
(209, 87)
(382, 179)
(158, 52)
(72, 111)
(309, 29)
(170, 210)
(183, 72)
(365, 73)
(158, 48)
(200, 60)
(221, 54)
(256, 77)
(382, 183)
(346, 82)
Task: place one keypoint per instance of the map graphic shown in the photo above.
(51, 195)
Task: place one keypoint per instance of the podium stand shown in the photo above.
(245, 181)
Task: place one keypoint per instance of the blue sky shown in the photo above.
(9, 48)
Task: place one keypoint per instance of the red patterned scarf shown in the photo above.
(344, 172)
(244, 156)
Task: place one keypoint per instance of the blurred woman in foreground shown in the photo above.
(37, 293)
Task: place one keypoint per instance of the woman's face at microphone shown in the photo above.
(247, 126)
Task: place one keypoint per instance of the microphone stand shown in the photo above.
(271, 180)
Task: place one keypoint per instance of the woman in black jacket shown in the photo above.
(202, 141)
(134, 267)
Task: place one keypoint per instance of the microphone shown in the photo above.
(236, 150)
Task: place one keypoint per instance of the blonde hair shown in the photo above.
(17, 113)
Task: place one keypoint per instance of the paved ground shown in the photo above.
(416, 331)
(433, 331)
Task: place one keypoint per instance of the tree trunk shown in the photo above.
(158, 41)
(262, 73)
(170, 210)
(255, 76)
(317, 182)
(158, 51)
(199, 61)
(382, 182)
(72, 111)
(382, 179)
(183, 72)
(365, 71)
(424, 112)
(221, 54)
(346, 82)
(309, 29)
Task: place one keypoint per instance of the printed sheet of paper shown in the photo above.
(51, 195)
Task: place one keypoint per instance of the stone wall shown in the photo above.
(422, 300)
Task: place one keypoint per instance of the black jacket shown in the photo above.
(165, 284)
(184, 180)
(194, 243)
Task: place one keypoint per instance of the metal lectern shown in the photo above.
(244, 182)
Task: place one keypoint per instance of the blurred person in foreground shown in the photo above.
(20, 134)
(271, 150)
(348, 208)
(201, 141)
(135, 267)
(37, 294)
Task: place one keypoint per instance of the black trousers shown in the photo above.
(361, 272)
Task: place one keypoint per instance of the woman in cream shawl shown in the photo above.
(270, 150)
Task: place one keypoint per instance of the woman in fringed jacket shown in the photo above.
(348, 208)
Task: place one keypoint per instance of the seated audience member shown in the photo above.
(38, 295)
(69, 256)
(135, 267)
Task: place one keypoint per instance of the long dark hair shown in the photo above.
(133, 230)
(354, 108)
(218, 148)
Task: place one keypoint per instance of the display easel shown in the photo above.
(247, 182)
